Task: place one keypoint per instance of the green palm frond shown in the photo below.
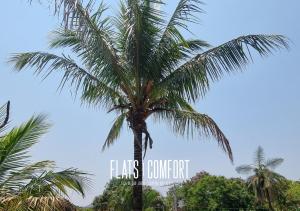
(25, 186)
(190, 122)
(259, 157)
(115, 131)
(245, 169)
(50, 183)
(14, 145)
(186, 11)
(231, 56)
(273, 163)
(50, 62)
(17, 178)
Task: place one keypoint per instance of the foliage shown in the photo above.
(138, 63)
(117, 196)
(264, 182)
(214, 193)
(289, 198)
(33, 186)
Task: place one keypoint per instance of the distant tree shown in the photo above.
(289, 199)
(28, 186)
(214, 193)
(117, 196)
(264, 181)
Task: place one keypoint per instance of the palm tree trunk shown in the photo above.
(269, 201)
(138, 171)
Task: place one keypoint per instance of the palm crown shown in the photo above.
(140, 65)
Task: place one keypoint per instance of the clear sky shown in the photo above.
(257, 107)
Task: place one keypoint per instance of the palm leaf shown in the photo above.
(4, 115)
(228, 57)
(259, 157)
(51, 183)
(14, 145)
(19, 177)
(189, 122)
(185, 12)
(245, 169)
(114, 132)
(273, 163)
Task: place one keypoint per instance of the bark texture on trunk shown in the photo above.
(138, 170)
(269, 200)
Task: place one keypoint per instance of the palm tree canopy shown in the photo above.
(35, 185)
(263, 180)
(137, 62)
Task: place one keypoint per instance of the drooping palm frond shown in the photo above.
(231, 56)
(50, 62)
(41, 203)
(191, 122)
(44, 191)
(115, 131)
(50, 183)
(14, 180)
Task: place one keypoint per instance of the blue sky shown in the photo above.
(257, 107)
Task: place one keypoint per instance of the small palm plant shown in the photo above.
(264, 180)
(33, 186)
(140, 65)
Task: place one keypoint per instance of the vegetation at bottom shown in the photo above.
(201, 192)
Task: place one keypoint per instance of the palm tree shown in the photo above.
(33, 186)
(139, 65)
(264, 180)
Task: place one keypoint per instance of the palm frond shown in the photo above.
(259, 157)
(212, 64)
(186, 11)
(17, 178)
(245, 169)
(14, 145)
(43, 203)
(114, 132)
(235, 54)
(4, 115)
(98, 33)
(51, 183)
(273, 163)
(188, 122)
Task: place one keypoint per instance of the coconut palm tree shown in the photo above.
(140, 65)
(33, 186)
(264, 180)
